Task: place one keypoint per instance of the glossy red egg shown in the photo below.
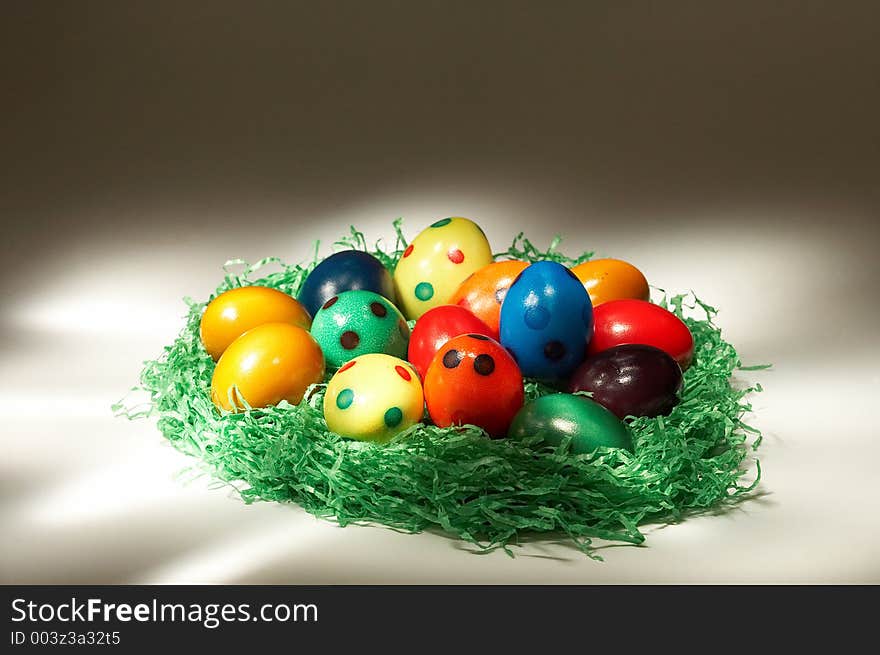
(437, 326)
(619, 322)
(473, 379)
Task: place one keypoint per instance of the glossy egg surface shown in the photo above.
(630, 380)
(373, 397)
(437, 326)
(356, 323)
(619, 322)
(347, 270)
(546, 321)
(268, 364)
(484, 290)
(612, 279)
(586, 422)
(236, 311)
(437, 262)
(473, 379)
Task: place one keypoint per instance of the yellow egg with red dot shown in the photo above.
(373, 397)
(236, 311)
(438, 260)
(265, 365)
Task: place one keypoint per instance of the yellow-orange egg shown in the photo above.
(612, 279)
(265, 365)
(236, 311)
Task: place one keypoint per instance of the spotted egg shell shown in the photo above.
(355, 323)
(546, 321)
(437, 262)
(373, 398)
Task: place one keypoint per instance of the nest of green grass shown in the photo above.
(491, 493)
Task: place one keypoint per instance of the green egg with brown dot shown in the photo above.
(355, 323)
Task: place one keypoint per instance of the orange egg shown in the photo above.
(482, 293)
(236, 311)
(268, 364)
(612, 279)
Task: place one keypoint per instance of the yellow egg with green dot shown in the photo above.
(373, 397)
(438, 260)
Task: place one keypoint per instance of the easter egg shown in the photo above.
(236, 311)
(373, 397)
(561, 415)
(484, 290)
(546, 321)
(437, 326)
(437, 262)
(473, 379)
(630, 380)
(612, 279)
(355, 323)
(618, 322)
(268, 364)
(347, 270)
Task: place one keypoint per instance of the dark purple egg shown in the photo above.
(630, 380)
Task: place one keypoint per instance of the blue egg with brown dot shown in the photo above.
(547, 320)
(356, 323)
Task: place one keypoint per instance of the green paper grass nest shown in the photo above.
(491, 493)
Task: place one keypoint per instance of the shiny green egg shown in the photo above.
(556, 416)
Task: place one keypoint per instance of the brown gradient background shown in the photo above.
(730, 148)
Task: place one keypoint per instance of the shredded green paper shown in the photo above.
(490, 493)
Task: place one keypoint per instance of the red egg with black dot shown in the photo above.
(473, 380)
(436, 327)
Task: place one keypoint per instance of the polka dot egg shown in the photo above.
(546, 321)
(473, 380)
(355, 323)
(438, 260)
(373, 397)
